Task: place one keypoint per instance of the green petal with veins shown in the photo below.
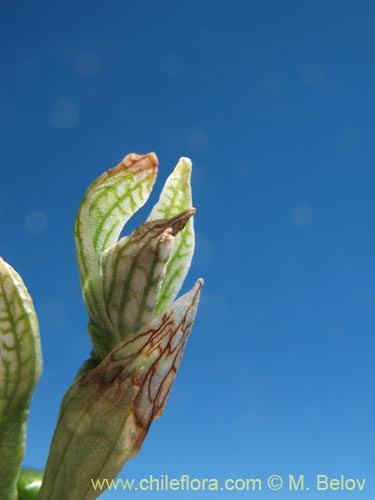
(174, 199)
(133, 271)
(108, 204)
(20, 369)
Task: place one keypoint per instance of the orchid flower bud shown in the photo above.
(137, 330)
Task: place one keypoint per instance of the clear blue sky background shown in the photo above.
(274, 101)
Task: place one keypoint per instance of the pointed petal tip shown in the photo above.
(186, 161)
(191, 298)
(178, 222)
(198, 287)
(184, 168)
(152, 158)
(149, 159)
(200, 282)
(196, 291)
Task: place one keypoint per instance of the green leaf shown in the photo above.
(106, 413)
(107, 205)
(174, 199)
(20, 368)
(133, 271)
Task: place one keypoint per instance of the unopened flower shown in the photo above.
(137, 329)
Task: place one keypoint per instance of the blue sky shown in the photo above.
(275, 103)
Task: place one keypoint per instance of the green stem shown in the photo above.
(12, 450)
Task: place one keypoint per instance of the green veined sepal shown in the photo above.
(20, 369)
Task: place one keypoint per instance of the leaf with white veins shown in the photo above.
(174, 199)
(133, 271)
(20, 368)
(107, 205)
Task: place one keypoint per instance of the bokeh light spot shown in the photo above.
(302, 215)
(36, 222)
(65, 114)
